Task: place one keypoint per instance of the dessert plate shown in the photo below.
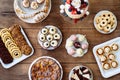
(30, 15)
(46, 57)
(95, 24)
(112, 71)
(59, 42)
(23, 57)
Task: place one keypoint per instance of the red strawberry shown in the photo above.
(68, 1)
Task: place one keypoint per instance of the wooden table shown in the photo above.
(20, 71)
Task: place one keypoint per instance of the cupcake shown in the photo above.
(100, 51)
(114, 64)
(106, 66)
(107, 49)
(115, 47)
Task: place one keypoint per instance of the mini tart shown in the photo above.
(107, 49)
(103, 58)
(115, 47)
(106, 66)
(114, 64)
(100, 51)
(111, 56)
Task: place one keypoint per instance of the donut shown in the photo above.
(56, 36)
(54, 43)
(52, 30)
(44, 31)
(49, 37)
(100, 27)
(42, 37)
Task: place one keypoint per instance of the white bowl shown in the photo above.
(47, 57)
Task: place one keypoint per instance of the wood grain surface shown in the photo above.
(20, 71)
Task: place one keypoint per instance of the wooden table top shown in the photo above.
(20, 71)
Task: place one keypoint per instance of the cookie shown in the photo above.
(34, 5)
(56, 36)
(44, 31)
(107, 28)
(49, 37)
(46, 44)
(26, 3)
(54, 43)
(42, 37)
(52, 30)
(40, 1)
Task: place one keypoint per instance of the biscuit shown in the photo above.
(107, 28)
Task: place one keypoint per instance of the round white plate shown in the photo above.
(29, 11)
(59, 42)
(47, 57)
(71, 72)
(95, 24)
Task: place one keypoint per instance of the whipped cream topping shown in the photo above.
(76, 3)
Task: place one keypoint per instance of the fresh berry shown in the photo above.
(77, 45)
(69, 9)
(68, 1)
(78, 12)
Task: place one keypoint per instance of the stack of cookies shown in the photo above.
(107, 56)
(13, 44)
(105, 21)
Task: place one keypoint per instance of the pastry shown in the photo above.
(40, 1)
(45, 69)
(54, 43)
(111, 56)
(114, 64)
(107, 49)
(26, 3)
(57, 36)
(4, 54)
(34, 5)
(100, 51)
(114, 47)
(75, 9)
(103, 58)
(105, 21)
(106, 66)
(49, 37)
(77, 44)
(80, 73)
(19, 39)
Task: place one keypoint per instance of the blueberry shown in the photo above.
(70, 9)
(78, 12)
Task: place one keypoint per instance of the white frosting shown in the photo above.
(76, 3)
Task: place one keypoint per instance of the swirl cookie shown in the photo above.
(50, 37)
(9, 42)
(77, 45)
(105, 22)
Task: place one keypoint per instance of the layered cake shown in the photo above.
(80, 73)
(75, 9)
(77, 45)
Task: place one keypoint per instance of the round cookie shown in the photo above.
(51, 37)
(105, 22)
(76, 45)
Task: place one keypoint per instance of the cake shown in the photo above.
(75, 9)
(80, 73)
(76, 45)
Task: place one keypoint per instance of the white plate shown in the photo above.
(23, 57)
(112, 71)
(95, 24)
(18, 4)
(29, 72)
(59, 42)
